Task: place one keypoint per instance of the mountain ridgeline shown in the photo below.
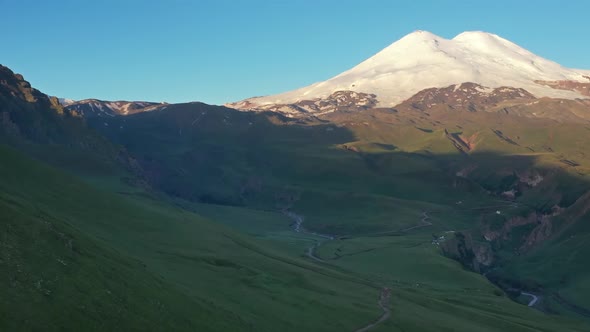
(440, 178)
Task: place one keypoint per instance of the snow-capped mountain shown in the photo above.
(423, 60)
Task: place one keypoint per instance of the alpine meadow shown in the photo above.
(442, 184)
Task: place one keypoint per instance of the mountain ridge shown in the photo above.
(101, 108)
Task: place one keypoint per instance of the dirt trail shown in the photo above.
(424, 223)
(384, 295)
(384, 298)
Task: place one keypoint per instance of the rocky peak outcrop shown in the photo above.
(474, 255)
(89, 108)
(337, 101)
(468, 96)
(15, 92)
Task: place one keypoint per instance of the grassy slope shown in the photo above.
(557, 266)
(146, 265)
(164, 267)
(399, 172)
(56, 277)
(211, 154)
(424, 283)
(433, 293)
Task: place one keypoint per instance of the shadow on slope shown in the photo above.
(506, 201)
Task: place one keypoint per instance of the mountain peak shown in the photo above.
(420, 35)
(475, 34)
(422, 60)
(417, 39)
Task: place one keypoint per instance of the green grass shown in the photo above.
(266, 162)
(139, 263)
(172, 257)
(239, 263)
(426, 284)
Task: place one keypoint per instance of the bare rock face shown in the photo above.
(579, 87)
(337, 101)
(542, 230)
(89, 108)
(473, 255)
(470, 97)
(484, 255)
(540, 233)
(506, 230)
(17, 94)
(530, 177)
(462, 143)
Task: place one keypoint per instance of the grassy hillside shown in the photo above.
(129, 261)
(112, 259)
(376, 171)
(56, 277)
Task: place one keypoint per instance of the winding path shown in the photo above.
(424, 223)
(534, 298)
(384, 295)
(384, 298)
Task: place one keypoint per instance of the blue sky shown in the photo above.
(220, 50)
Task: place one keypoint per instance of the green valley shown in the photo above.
(459, 207)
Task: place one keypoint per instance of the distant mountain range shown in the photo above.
(474, 70)
(101, 108)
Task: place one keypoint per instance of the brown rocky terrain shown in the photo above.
(470, 97)
(579, 87)
(100, 108)
(337, 101)
(436, 103)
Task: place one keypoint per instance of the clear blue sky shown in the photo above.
(221, 50)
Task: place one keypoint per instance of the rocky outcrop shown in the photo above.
(540, 233)
(337, 101)
(89, 108)
(530, 178)
(28, 113)
(542, 229)
(468, 96)
(473, 255)
(504, 232)
(30, 116)
(462, 143)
